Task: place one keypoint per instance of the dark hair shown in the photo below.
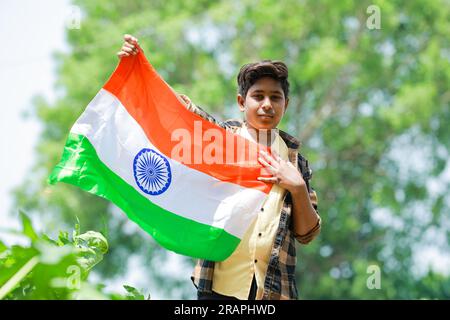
(252, 72)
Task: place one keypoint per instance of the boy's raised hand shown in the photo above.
(129, 47)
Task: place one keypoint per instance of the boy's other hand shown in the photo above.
(129, 47)
(284, 173)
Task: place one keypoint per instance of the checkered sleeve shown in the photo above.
(202, 275)
(307, 175)
(202, 113)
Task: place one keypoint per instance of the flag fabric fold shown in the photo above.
(122, 149)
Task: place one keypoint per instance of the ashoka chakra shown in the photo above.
(152, 172)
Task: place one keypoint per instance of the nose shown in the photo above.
(266, 103)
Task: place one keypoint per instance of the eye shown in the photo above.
(258, 96)
(276, 98)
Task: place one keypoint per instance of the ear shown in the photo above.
(286, 105)
(241, 102)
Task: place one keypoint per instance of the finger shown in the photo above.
(127, 49)
(130, 38)
(268, 179)
(267, 156)
(276, 156)
(266, 164)
(269, 159)
(134, 48)
(129, 45)
(122, 54)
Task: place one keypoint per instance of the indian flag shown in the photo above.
(123, 148)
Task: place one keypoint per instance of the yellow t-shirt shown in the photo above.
(233, 276)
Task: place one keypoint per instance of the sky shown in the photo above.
(30, 35)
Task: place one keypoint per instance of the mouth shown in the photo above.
(265, 116)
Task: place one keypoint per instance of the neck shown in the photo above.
(261, 136)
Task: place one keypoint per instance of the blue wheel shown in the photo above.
(152, 172)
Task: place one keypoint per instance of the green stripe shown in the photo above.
(81, 166)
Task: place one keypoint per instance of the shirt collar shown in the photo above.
(291, 141)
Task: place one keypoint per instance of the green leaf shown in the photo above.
(133, 293)
(18, 276)
(48, 239)
(13, 259)
(3, 247)
(27, 227)
(77, 230)
(63, 238)
(91, 246)
(93, 240)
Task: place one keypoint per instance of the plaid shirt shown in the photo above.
(279, 282)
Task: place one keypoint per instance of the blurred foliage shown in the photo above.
(54, 269)
(370, 106)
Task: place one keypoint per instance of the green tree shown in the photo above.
(370, 106)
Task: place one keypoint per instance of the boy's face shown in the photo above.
(264, 105)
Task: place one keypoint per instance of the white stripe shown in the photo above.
(192, 194)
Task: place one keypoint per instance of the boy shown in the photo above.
(263, 264)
